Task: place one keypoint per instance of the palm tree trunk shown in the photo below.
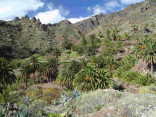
(26, 82)
(1, 90)
(151, 66)
(34, 77)
(57, 60)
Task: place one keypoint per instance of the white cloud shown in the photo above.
(52, 16)
(74, 20)
(89, 9)
(5, 9)
(108, 6)
(9, 9)
(63, 11)
(112, 4)
(98, 9)
(131, 1)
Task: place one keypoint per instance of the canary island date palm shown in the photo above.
(92, 78)
(26, 71)
(34, 65)
(7, 76)
(50, 69)
(147, 51)
(56, 53)
(67, 75)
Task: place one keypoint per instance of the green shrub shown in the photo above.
(137, 78)
(53, 115)
(68, 52)
(130, 76)
(67, 44)
(125, 64)
(145, 80)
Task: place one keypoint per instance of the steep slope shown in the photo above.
(23, 37)
(136, 14)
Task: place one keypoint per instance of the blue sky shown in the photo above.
(53, 11)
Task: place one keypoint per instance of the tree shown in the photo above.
(111, 64)
(108, 34)
(56, 53)
(100, 34)
(113, 35)
(92, 78)
(67, 75)
(118, 46)
(34, 65)
(83, 41)
(7, 76)
(50, 69)
(147, 51)
(67, 44)
(26, 71)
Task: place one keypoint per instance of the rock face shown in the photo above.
(89, 24)
(33, 36)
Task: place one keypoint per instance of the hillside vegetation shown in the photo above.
(102, 66)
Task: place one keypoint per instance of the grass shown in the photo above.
(42, 58)
(68, 56)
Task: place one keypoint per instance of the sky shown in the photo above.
(54, 11)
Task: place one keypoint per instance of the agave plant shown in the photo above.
(65, 99)
(2, 114)
(23, 114)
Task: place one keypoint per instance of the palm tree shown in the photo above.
(26, 71)
(50, 69)
(147, 50)
(7, 76)
(108, 34)
(126, 36)
(92, 78)
(34, 65)
(135, 28)
(67, 75)
(113, 35)
(111, 64)
(56, 53)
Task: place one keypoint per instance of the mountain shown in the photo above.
(22, 37)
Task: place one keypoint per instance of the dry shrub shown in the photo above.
(47, 98)
(32, 94)
(55, 93)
